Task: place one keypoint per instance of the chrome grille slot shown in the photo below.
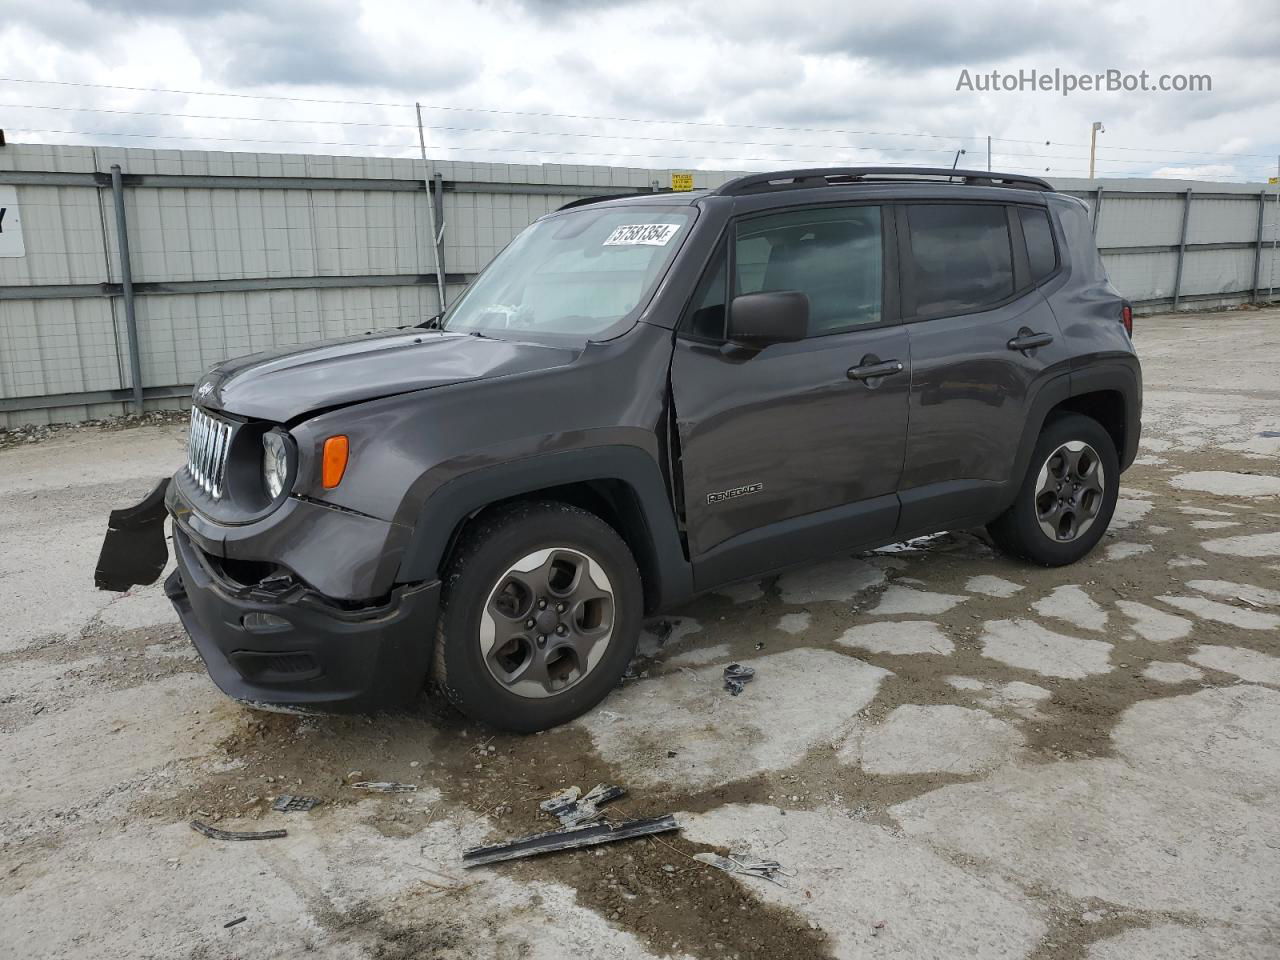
(207, 449)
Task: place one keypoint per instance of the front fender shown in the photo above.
(449, 504)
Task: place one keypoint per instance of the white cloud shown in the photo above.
(831, 82)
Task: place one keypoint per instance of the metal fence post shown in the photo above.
(126, 284)
(1257, 252)
(1097, 209)
(438, 199)
(1182, 250)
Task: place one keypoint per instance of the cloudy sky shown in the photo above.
(692, 84)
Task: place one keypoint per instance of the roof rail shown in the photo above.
(836, 176)
(583, 201)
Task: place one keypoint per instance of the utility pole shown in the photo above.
(1096, 129)
(431, 210)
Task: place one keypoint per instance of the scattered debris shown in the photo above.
(736, 676)
(747, 865)
(877, 927)
(572, 809)
(569, 838)
(231, 923)
(288, 803)
(385, 786)
(914, 545)
(213, 833)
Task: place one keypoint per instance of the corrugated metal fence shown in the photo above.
(236, 252)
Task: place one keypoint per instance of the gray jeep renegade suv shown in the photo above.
(641, 399)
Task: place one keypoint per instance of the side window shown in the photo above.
(705, 319)
(1041, 255)
(832, 254)
(963, 260)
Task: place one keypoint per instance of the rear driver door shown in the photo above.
(791, 451)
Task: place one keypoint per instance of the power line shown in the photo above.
(592, 117)
(729, 161)
(461, 149)
(537, 133)
(446, 129)
(491, 110)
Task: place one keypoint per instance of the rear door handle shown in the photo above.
(872, 369)
(1026, 340)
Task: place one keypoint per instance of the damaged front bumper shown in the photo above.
(278, 643)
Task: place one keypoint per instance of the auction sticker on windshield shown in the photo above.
(648, 234)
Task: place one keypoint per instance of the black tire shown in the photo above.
(1018, 530)
(483, 559)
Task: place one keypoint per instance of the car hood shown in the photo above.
(281, 385)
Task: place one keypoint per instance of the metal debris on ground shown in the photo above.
(736, 676)
(746, 865)
(213, 833)
(567, 838)
(572, 808)
(232, 923)
(288, 803)
(914, 545)
(385, 786)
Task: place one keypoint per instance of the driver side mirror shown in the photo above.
(775, 316)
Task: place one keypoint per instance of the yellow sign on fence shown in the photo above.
(681, 182)
(1269, 179)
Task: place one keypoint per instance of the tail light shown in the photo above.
(1126, 317)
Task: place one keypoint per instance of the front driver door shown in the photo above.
(794, 450)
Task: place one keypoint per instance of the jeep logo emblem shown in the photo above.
(723, 495)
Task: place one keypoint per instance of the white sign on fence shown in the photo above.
(11, 244)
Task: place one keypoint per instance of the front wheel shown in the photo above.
(539, 618)
(1066, 499)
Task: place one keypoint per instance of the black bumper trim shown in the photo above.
(319, 656)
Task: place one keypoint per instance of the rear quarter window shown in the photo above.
(1041, 255)
(962, 260)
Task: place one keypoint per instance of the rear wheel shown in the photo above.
(539, 618)
(1066, 499)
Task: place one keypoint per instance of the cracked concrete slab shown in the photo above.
(992, 586)
(851, 877)
(1240, 662)
(1073, 605)
(835, 581)
(1237, 591)
(898, 637)
(773, 720)
(1163, 671)
(1152, 624)
(1225, 483)
(1246, 545)
(1224, 613)
(1168, 941)
(898, 600)
(1029, 646)
(933, 739)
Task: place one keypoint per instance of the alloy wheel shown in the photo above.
(1070, 490)
(547, 622)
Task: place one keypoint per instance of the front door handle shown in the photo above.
(1026, 340)
(872, 369)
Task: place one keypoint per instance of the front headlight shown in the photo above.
(275, 463)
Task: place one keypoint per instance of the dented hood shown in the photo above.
(281, 385)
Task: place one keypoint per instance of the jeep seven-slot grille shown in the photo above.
(207, 452)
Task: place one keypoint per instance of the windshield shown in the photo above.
(573, 275)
